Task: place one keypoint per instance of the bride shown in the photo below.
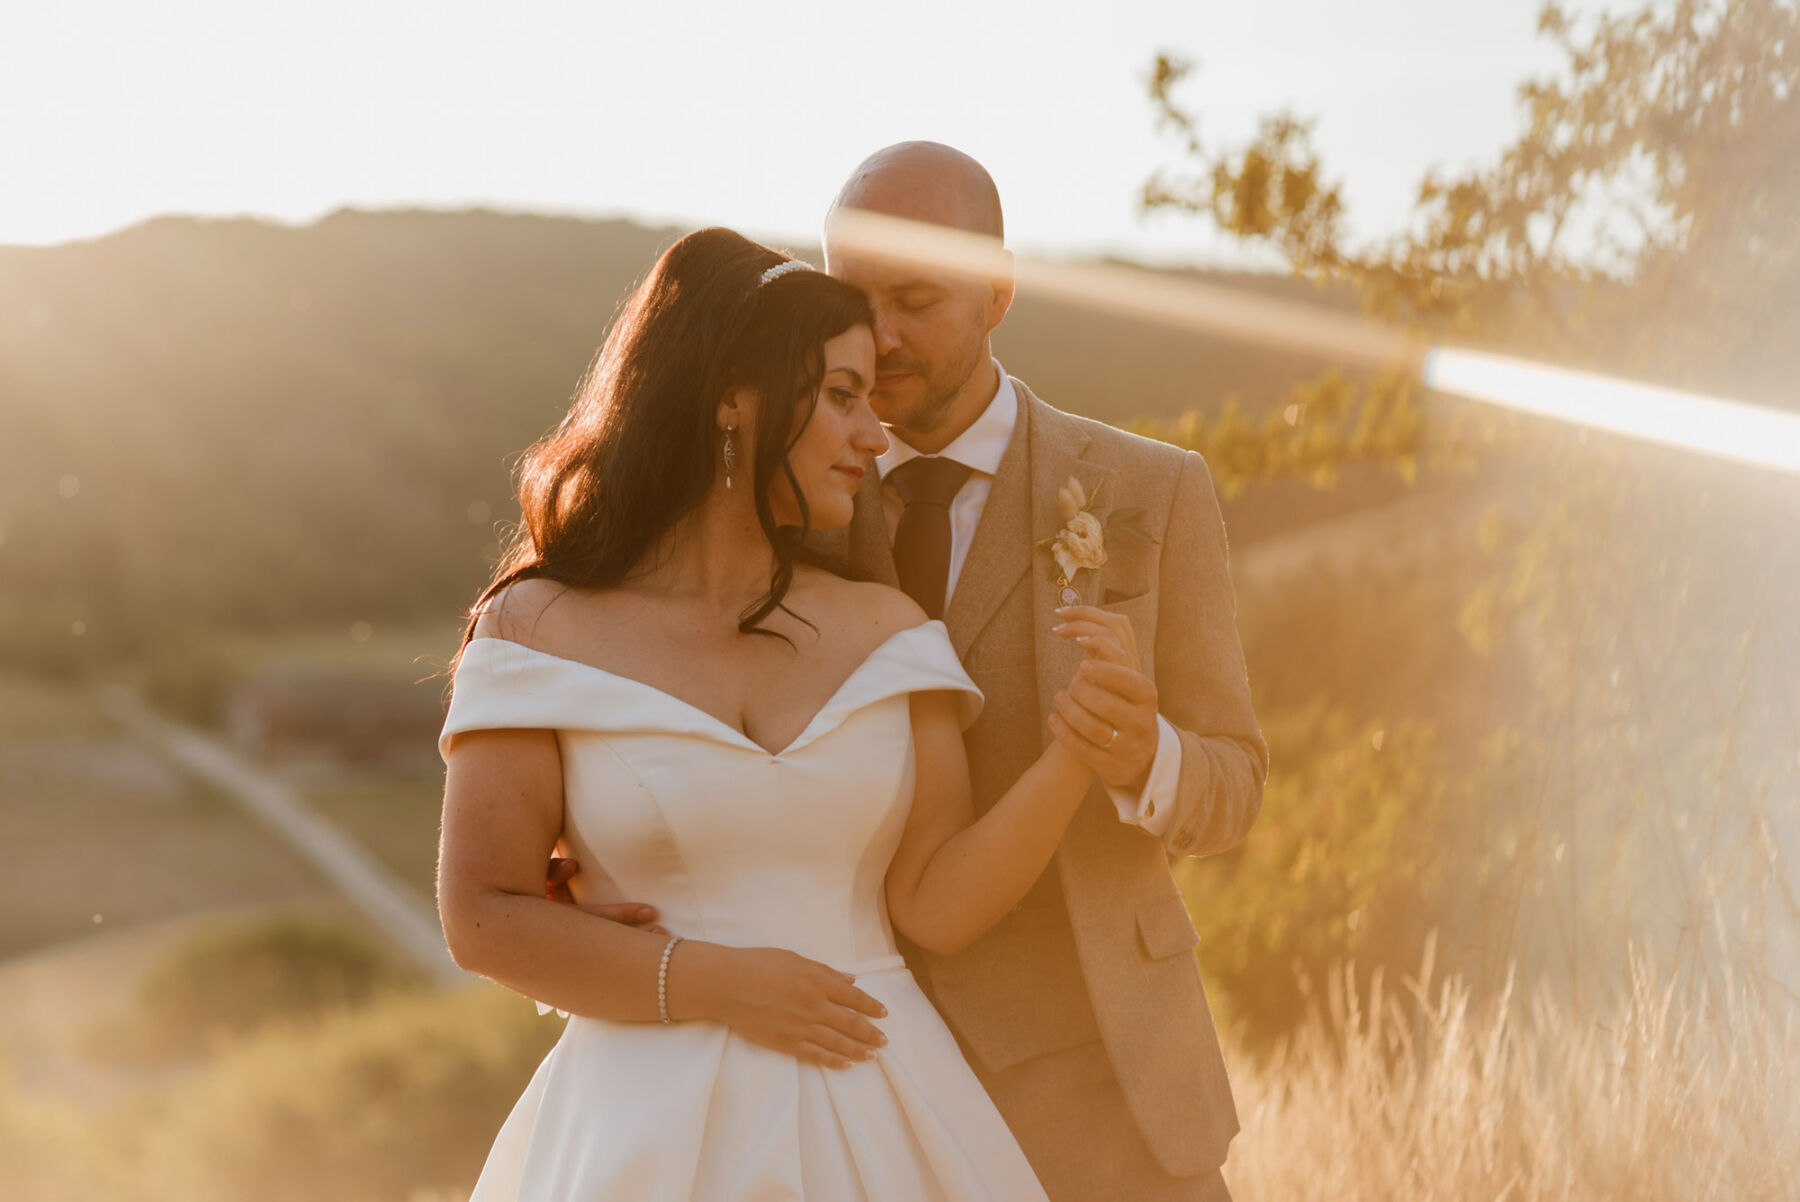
(659, 684)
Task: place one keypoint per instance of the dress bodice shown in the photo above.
(666, 804)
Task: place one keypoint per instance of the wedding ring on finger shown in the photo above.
(1110, 741)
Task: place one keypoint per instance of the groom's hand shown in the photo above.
(556, 880)
(632, 914)
(1107, 715)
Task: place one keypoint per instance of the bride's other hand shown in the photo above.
(1106, 717)
(779, 999)
(631, 914)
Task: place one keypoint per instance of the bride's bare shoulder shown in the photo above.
(892, 609)
(879, 608)
(520, 612)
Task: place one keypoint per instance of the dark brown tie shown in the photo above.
(922, 543)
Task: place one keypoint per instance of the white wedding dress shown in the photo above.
(668, 805)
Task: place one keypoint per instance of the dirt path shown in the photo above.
(99, 835)
(394, 907)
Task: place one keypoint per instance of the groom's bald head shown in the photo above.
(935, 371)
(928, 182)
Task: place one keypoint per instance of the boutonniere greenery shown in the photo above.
(1081, 543)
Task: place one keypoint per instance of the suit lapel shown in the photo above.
(1001, 550)
(1057, 444)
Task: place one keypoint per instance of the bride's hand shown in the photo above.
(1106, 718)
(784, 1001)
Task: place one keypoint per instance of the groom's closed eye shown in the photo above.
(915, 299)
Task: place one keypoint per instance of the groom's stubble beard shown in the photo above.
(936, 403)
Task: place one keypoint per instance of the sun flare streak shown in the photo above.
(1694, 422)
(1690, 421)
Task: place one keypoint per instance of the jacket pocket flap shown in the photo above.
(1166, 928)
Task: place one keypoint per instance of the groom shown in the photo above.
(1081, 1011)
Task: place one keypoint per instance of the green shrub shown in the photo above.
(379, 1104)
(1343, 863)
(228, 982)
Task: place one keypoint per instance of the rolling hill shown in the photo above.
(235, 423)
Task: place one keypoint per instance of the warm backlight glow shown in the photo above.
(1691, 421)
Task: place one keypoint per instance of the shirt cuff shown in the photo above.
(1152, 810)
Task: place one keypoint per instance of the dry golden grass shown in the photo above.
(1422, 1093)
(1418, 1092)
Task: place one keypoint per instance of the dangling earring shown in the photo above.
(730, 453)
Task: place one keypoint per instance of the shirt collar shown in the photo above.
(980, 447)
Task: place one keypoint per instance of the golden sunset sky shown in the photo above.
(748, 114)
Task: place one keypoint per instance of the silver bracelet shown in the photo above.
(662, 979)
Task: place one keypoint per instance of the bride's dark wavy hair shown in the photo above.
(639, 448)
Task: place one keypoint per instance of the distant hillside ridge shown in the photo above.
(233, 422)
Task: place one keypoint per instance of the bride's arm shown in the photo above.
(952, 876)
(503, 811)
(502, 798)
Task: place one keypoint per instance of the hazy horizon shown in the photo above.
(736, 116)
(785, 239)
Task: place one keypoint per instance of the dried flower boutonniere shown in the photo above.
(1081, 543)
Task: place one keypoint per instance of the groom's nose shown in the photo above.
(887, 339)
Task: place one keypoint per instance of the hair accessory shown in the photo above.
(781, 269)
(662, 979)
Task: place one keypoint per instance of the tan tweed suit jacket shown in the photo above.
(1102, 948)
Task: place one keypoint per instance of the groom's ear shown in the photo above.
(1003, 283)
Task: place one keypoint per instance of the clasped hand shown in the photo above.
(1107, 715)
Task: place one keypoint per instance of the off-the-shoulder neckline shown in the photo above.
(724, 727)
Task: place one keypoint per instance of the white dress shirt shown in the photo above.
(980, 448)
